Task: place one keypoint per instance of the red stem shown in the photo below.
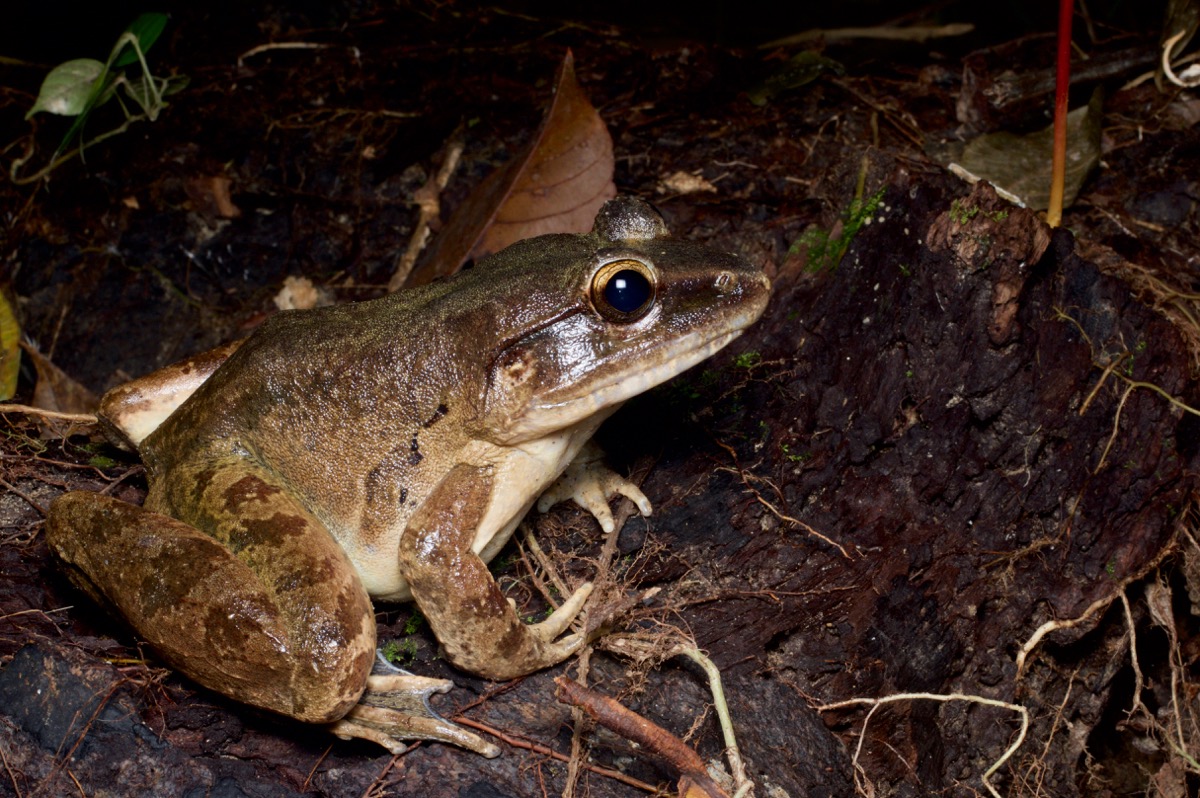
(1062, 85)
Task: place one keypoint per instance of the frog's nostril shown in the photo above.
(724, 283)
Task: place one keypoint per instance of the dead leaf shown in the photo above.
(684, 183)
(211, 198)
(1191, 577)
(556, 185)
(1170, 781)
(299, 293)
(1021, 164)
(58, 392)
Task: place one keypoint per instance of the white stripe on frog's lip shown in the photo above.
(621, 387)
(677, 356)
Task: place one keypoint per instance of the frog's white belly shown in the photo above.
(519, 475)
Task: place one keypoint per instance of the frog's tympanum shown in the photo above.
(386, 450)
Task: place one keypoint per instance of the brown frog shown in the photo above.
(386, 450)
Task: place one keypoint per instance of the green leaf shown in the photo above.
(10, 349)
(67, 87)
(146, 29)
(101, 92)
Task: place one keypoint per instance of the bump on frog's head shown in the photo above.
(629, 219)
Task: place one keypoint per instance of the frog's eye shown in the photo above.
(623, 290)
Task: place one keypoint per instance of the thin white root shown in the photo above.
(875, 703)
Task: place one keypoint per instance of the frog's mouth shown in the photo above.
(545, 415)
(623, 386)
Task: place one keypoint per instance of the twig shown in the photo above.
(60, 160)
(377, 783)
(12, 776)
(612, 715)
(1139, 681)
(544, 567)
(1185, 81)
(1054, 626)
(538, 748)
(313, 770)
(28, 499)
(262, 48)
(580, 728)
(429, 208)
(1151, 386)
(36, 612)
(1062, 85)
(1098, 604)
(82, 418)
(1109, 369)
(745, 477)
(1115, 429)
(913, 33)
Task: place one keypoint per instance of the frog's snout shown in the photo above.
(747, 282)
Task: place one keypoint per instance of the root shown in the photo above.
(860, 777)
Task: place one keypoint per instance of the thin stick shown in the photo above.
(82, 418)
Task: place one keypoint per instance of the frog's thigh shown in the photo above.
(478, 629)
(295, 637)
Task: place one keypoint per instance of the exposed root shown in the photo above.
(863, 783)
(1093, 609)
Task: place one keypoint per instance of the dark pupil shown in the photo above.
(627, 290)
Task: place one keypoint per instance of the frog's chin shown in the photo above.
(605, 397)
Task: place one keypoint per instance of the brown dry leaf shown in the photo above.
(1171, 779)
(57, 391)
(556, 185)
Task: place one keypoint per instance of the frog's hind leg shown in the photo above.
(261, 604)
(295, 637)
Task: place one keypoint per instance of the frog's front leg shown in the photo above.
(478, 628)
(262, 605)
(589, 482)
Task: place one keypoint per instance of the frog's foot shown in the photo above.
(590, 483)
(561, 619)
(395, 707)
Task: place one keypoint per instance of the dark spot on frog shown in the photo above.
(247, 489)
(318, 574)
(234, 631)
(414, 452)
(349, 612)
(204, 479)
(380, 483)
(165, 584)
(256, 532)
(437, 416)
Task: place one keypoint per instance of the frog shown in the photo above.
(385, 451)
